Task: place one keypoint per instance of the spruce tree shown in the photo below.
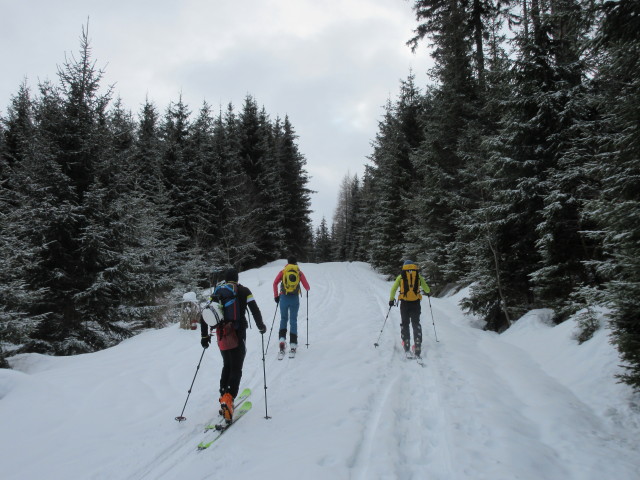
(454, 28)
(395, 179)
(532, 207)
(385, 247)
(295, 202)
(617, 208)
(477, 240)
(146, 161)
(199, 173)
(256, 160)
(348, 221)
(323, 246)
(17, 252)
(564, 249)
(57, 178)
(176, 167)
(341, 222)
(105, 218)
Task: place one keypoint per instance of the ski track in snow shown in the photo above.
(480, 408)
(402, 394)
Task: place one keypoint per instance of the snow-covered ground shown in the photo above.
(527, 404)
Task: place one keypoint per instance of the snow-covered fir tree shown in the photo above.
(617, 165)
(106, 219)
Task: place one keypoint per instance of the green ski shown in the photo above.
(242, 396)
(223, 427)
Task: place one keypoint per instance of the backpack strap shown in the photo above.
(403, 284)
(416, 283)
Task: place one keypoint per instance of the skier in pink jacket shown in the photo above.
(286, 292)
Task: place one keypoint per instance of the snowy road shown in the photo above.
(528, 404)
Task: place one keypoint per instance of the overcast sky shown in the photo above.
(330, 65)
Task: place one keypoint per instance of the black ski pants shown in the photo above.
(232, 362)
(410, 314)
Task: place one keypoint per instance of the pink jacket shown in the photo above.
(278, 280)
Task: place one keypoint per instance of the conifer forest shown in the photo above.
(516, 170)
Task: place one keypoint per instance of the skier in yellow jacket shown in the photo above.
(411, 283)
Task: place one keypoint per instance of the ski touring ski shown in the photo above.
(222, 427)
(410, 355)
(419, 360)
(242, 396)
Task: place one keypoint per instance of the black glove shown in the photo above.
(392, 303)
(205, 341)
(277, 299)
(262, 328)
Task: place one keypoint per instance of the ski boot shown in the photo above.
(283, 346)
(417, 350)
(226, 407)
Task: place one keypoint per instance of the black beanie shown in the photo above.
(231, 275)
(292, 260)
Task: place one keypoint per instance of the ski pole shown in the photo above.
(272, 322)
(432, 319)
(385, 322)
(307, 318)
(264, 373)
(180, 418)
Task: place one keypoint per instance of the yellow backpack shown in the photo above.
(291, 279)
(410, 284)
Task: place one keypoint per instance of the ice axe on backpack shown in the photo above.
(385, 322)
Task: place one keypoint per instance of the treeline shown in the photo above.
(107, 217)
(518, 170)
